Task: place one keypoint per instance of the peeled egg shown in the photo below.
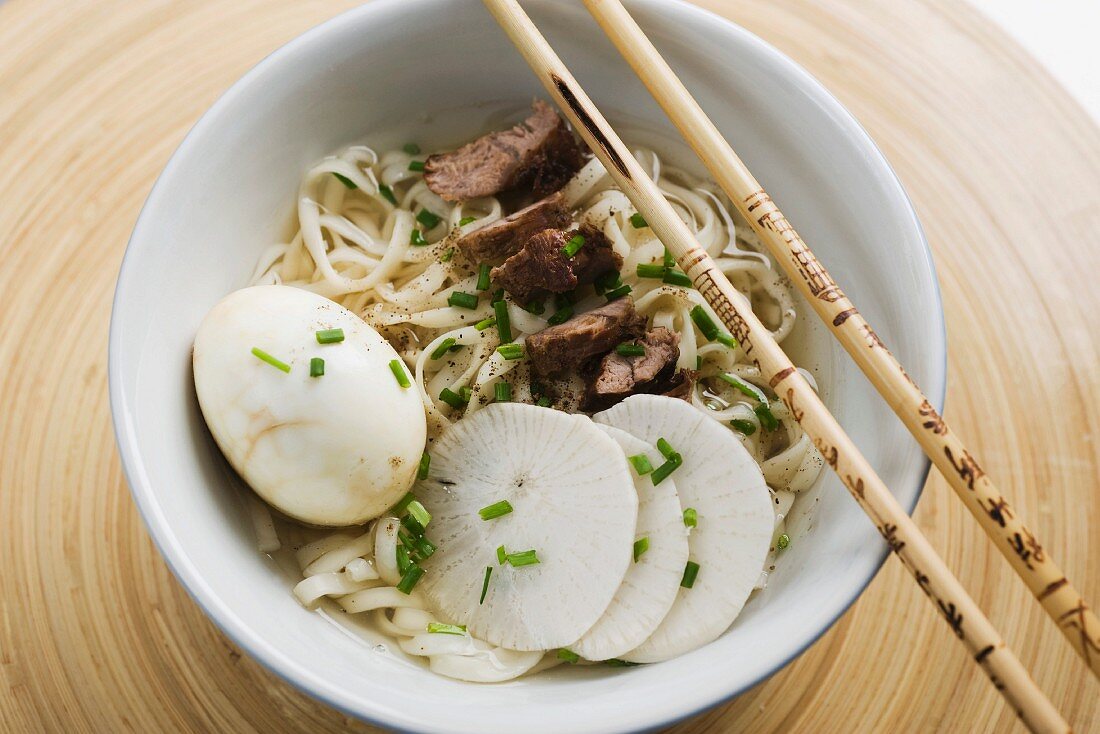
(336, 449)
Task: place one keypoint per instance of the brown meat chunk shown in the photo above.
(569, 345)
(503, 238)
(680, 385)
(621, 376)
(540, 152)
(542, 267)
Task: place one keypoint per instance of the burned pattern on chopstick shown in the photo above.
(590, 125)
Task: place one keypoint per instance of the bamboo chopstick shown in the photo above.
(901, 533)
(1031, 561)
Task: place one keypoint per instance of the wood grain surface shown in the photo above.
(1004, 170)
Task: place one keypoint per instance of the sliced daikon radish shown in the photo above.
(652, 581)
(573, 503)
(721, 482)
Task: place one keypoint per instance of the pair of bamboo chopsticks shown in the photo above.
(995, 515)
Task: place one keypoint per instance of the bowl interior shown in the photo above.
(438, 71)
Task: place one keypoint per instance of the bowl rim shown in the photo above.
(157, 524)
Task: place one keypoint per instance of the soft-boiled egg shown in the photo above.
(336, 448)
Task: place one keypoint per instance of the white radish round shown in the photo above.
(652, 581)
(573, 503)
(722, 483)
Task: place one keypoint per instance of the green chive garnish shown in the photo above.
(691, 570)
(504, 323)
(768, 421)
(425, 548)
(670, 261)
(402, 504)
(675, 277)
(403, 561)
(568, 655)
(428, 219)
(511, 351)
(413, 525)
(522, 558)
(607, 281)
(502, 391)
(443, 347)
(641, 464)
(465, 393)
(705, 323)
(419, 513)
(495, 510)
(698, 362)
(451, 398)
(665, 448)
(728, 340)
(630, 350)
(485, 323)
(575, 243)
(651, 270)
(387, 194)
(416, 238)
(744, 387)
(560, 316)
(466, 220)
(543, 402)
(616, 663)
(783, 541)
(746, 427)
(638, 221)
(425, 464)
(316, 367)
(691, 517)
(483, 277)
(461, 299)
(411, 148)
(502, 555)
(447, 255)
(416, 165)
(398, 371)
(409, 579)
(276, 363)
(485, 584)
(439, 628)
(330, 336)
(641, 545)
(346, 181)
(662, 472)
(535, 307)
(617, 293)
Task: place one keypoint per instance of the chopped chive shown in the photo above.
(568, 655)
(662, 472)
(447, 255)
(409, 579)
(418, 512)
(768, 421)
(651, 270)
(568, 298)
(706, 324)
(416, 238)
(330, 336)
(465, 393)
(522, 558)
(617, 663)
(443, 347)
(402, 504)
(439, 628)
(698, 362)
(502, 555)
(502, 391)
(425, 464)
(573, 246)
(387, 194)
(728, 340)
(498, 295)
(691, 570)
(483, 277)
(426, 548)
(416, 165)
(617, 293)
(744, 387)
(746, 427)
(411, 148)
(638, 221)
(276, 363)
(346, 181)
(560, 316)
(675, 277)
(641, 464)
(403, 561)
(543, 402)
(665, 448)
(398, 371)
(456, 347)
(413, 525)
(536, 307)
(511, 351)
(783, 541)
(485, 584)
(495, 510)
(428, 219)
(461, 299)
(504, 323)
(466, 220)
(607, 281)
(691, 518)
(670, 261)
(641, 545)
(316, 367)
(485, 323)
(451, 398)
(630, 350)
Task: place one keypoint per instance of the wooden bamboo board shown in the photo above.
(1004, 169)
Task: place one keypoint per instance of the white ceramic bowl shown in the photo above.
(391, 71)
